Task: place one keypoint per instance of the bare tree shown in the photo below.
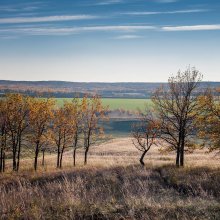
(145, 134)
(177, 107)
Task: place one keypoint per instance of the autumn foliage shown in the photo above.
(208, 121)
(37, 124)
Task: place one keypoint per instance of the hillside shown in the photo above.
(69, 89)
(114, 186)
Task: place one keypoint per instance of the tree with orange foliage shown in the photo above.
(17, 107)
(75, 122)
(93, 112)
(145, 133)
(208, 121)
(41, 114)
(61, 131)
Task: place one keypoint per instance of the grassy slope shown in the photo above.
(114, 186)
(116, 193)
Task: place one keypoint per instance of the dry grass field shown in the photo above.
(114, 186)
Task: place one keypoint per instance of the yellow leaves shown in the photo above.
(84, 104)
(41, 109)
(40, 116)
(45, 120)
(15, 109)
(208, 121)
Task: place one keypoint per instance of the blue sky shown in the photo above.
(108, 40)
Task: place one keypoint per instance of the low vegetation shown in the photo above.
(115, 187)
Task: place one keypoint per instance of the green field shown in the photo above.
(126, 104)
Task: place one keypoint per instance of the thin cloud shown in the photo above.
(192, 28)
(109, 2)
(22, 7)
(128, 28)
(74, 30)
(17, 20)
(166, 1)
(165, 12)
(129, 31)
(124, 37)
(8, 37)
(8, 9)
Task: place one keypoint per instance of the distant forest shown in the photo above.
(63, 89)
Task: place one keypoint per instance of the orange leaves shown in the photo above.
(47, 126)
(40, 116)
(208, 121)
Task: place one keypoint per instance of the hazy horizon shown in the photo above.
(156, 82)
(108, 40)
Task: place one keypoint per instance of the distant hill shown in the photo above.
(70, 89)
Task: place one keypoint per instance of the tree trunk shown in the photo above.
(61, 158)
(74, 157)
(1, 160)
(36, 156)
(86, 146)
(75, 148)
(43, 158)
(182, 153)
(18, 156)
(85, 158)
(3, 153)
(182, 147)
(142, 158)
(14, 160)
(3, 163)
(178, 157)
(178, 150)
(58, 157)
(182, 158)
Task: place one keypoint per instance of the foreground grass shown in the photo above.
(130, 192)
(114, 186)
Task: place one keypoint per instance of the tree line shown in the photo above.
(37, 124)
(180, 117)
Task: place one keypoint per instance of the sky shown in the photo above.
(108, 40)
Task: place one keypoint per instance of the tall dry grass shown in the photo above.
(114, 186)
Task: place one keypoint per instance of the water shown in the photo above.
(118, 127)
